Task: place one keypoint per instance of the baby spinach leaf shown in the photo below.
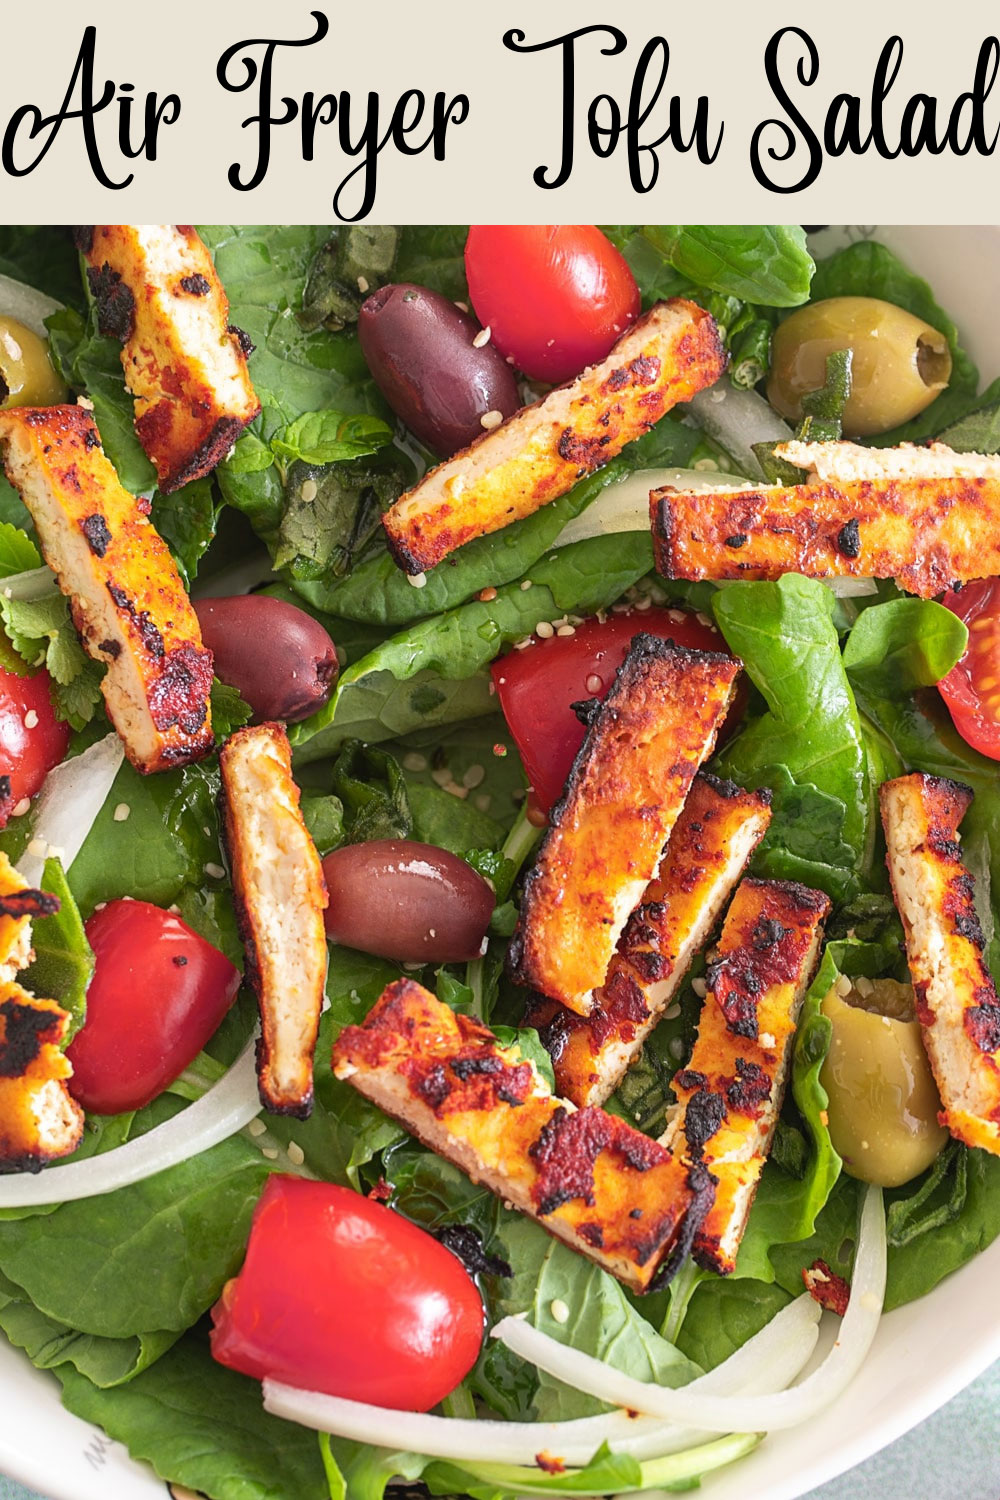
(202, 1426)
(433, 255)
(903, 644)
(964, 1215)
(187, 520)
(977, 431)
(372, 791)
(44, 257)
(332, 515)
(329, 437)
(760, 263)
(355, 261)
(441, 818)
(723, 1314)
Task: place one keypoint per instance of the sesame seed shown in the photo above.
(621, 608)
(31, 719)
(174, 909)
(545, 629)
(85, 402)
(484, 801)
(767, 1040)
(296, 1155)
(270, 1152)
(706, 465)
(594, 683)
(559, 1311)
(20, 808)
(418, 580)
(474, 776)
(482, 337)
(414, 761)
(121, 812)
(257, 1127)
(362, 287)
(462, 306)
(676, 1048)
(703, 619)
(441, 776)
(491, 419)
(432, 932)
(566, 630)
(461, 792)
(487, 595)
(672, 1011)
(309, 491)
(491, 687)
(37, 847)
(643, 603)
(700, 988)
(215, 872)
(525, 584)
(520, 645)
(675, 616)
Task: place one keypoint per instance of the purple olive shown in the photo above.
(281, 661)
(419, 347)
(412, 902)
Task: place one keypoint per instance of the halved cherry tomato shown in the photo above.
(342, 1295)
(158, 994)
(536, 686)
(554, 296)
(972, 687)
(32, 739)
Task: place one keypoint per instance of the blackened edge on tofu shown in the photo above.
(115, 303)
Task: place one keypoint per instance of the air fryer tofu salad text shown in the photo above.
(500, 824)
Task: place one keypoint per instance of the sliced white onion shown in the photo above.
(625, 506)
(851, 588)
(727, 1413)
(737, 420)
(229, 1105)
(27, 304)
(35, 583)
(766, 1363)
(72, 795)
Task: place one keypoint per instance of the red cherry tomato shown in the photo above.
(158, 993)
(536, 686)
(342, 1295)
(972, 687)
(554, 296)
(32, 739)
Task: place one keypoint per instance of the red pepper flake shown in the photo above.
(499, 750)
(826, 1287)
(381, 1192)
(549, 1464)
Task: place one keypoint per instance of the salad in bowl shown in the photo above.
(498, 791)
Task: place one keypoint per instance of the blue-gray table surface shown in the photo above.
(954, 1455)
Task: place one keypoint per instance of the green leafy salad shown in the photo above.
(112, 1292)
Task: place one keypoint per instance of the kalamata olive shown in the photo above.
(883, 1099)
(281, 661)
(422, 352)
(900, 363)
(400, 899)
(27, 377)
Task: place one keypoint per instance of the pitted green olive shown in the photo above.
(883, 1100)
(900, 363)
(26, 374)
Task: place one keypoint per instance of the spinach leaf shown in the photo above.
(441, 818)
(202, 1426)
(977, 431)
(967, 1220)
(811, 737)
(434, 255)
(372, 791)
(332, 515)
(324, 818)
(63, 963)
(329, 437)
(44, 257)
(761, 263)
(903, 644)
(146, 1258)
(868, 269)
(723, 1314)
(187, 522)
(356, 260)
(458, 645)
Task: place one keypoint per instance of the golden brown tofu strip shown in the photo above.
(713, 838)
(158, 293)
(730, 1093)
(666, 357)
(18, 904)
(956, 998)
(625, 791)
(125, 594)
(925, 533)
(610, 1192)
(39, 1121)
(280, 898)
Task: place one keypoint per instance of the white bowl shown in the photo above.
(924, 1353)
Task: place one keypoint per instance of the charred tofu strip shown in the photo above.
(713, 838)
(666, 357)
(126, 597)
(39, 1120)
(18, 904)
(157, 292)
(280, 897)
(957, 1004)
(844, 463)
(729, 1095)
(590, 1179)
(628, 784)
(927, 526)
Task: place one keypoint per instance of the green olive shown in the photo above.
(27, 377)
(900, 362)
(883, 1100)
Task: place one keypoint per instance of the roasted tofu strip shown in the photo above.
(730, 1094)
(715, 835)
(126, 597)
(925, 525)
(666, 357)
(956, 999)
(280, 897)
(157, 292)
(590, 1179)
(19, 902)
(628, 784)
(39, 1120)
